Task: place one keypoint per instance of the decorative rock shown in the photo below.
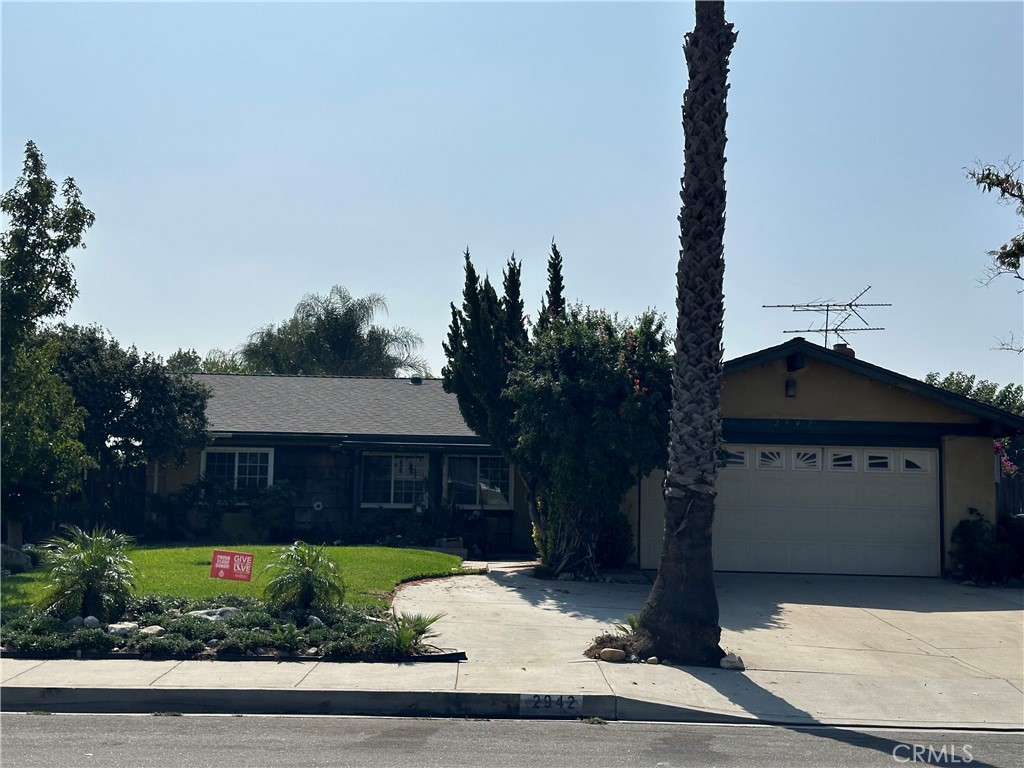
(75, 623)
(666, 663)
(153, 629)
(312, 651)
(731, 661)
(565, 577)
(213, 642)
(215, 614)
(90, 622)
(633, 659)
(612, 654)
(123, 628)
(652, 660)
(14, 560)
(314, 621)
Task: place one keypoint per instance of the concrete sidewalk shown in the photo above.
(819, 650)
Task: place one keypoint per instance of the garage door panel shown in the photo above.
(844, 558)
(807, 524)
(739, 523)
(871, 518)
(735, 490)
(738, 554)
(771, 490)
(879, 527)
(809, 557)
(769, 522)
(771, 556)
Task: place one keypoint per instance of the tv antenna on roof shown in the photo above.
(838, 315)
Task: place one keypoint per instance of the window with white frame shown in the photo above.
(842, 460)
(806, 458)
(877, 461)
(735, 458)
(480, 481)
(914, 461)
(394, 479)
(771, 458)
(243, 468)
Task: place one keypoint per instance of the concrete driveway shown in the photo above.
(884, 627)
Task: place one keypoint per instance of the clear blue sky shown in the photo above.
(238, 156)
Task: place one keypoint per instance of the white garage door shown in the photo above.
(812, 509)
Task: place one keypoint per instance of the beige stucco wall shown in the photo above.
(825, 392)
(969, 480)
(646, 509)
(170, 478)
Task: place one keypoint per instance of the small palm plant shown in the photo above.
(91, 574)
(630, 627)
(409, 630)
(304, 578)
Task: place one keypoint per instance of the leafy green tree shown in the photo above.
(1009, 398)
(216, 361)
(542, 401)
(334, 335)
(1005, 180)
(91, 574)
(138, 410)
(486, 339)
(591, 404)
(36, 273)
(553, 305)
(43, 456)
(304, 578)
(680, 619)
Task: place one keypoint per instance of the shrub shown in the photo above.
(90, 574)
(304, 578)
(986, 552)
(61, 641)
(246, 641)
(171, 644)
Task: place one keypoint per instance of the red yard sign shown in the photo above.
(236, 566)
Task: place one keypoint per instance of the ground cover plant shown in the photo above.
(336, 606)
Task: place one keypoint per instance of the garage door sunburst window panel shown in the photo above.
(771, 458)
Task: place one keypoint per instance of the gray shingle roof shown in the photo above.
(314, 405)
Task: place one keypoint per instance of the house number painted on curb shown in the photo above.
(550, 705)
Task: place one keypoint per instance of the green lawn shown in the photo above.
(371, 573)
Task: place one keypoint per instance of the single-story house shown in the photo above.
(354, 452)
(834, 465)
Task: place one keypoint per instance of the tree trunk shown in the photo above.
(680, 619)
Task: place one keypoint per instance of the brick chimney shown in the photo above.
(844, 349)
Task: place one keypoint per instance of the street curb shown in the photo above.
(470, 704)
(364, 703)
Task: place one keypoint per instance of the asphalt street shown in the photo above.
(149, 741)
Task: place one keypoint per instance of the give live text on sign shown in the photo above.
(236, 566)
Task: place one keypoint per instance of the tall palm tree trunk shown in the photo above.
(680, 619)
